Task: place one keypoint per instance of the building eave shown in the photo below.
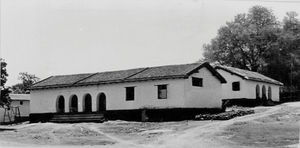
(109, 82)
(249, 78)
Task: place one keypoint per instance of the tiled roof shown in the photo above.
(249, 75)
(131, 75)
(166, 71)
(62, 80)
(110, 76)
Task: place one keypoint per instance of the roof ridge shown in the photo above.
(73, 74)
(174, 65)
(126, 69)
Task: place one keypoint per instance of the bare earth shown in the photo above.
(276, 126)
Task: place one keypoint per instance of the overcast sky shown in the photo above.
(54, 37)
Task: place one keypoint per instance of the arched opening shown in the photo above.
(264, 93)
(101, 102)
(73, 104)
(60, 104)
(87, 103)
(257, 92)
(270, 93)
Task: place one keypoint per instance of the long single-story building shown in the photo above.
(164, 92)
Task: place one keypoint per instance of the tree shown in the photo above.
(4, 94)
(289, 42)
(246, 41)
(257, 41)
(27, 81)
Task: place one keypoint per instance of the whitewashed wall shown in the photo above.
(208, 96)
(24, 108)
(247, 87)
(44, 101)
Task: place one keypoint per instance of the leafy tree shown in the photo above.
(257, 41)
(289, 42)
(27, 81)
(5, 99)
(246, 41)
(18, 88)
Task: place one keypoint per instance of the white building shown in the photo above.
(173, 91)
(248, 84)
(22, 101)
(174, 87)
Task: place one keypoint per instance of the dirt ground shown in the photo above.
(276, 126)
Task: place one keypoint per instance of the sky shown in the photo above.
(57, 37)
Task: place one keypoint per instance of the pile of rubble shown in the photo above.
(224, 116)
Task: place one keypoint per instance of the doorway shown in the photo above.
(87, 103)
(60, 104)
(74, 104)
(101, 104)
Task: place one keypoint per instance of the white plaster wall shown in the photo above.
(251, 87)
(44, 101)
(24, 108)
(1, 114)
(247, 88)
(208, 96)
(227, 92)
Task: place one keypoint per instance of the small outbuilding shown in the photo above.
(244, 84)
(19, 108)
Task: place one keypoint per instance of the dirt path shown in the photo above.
(121, 134)
(205, 136)
(114, 138)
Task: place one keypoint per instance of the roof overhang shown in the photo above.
(247, 78)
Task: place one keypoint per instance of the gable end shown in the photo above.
(211, 69)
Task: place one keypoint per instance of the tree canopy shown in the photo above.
(4, 94)
(257, 41)
(27, 81)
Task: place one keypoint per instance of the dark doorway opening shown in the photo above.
(60, 104)
(270, 93)
(264, 93)
(101, 105)
(87, 103)
(74, 104)
(257, 92)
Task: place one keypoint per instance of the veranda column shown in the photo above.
(80, 103)
(67, 102)
(94, 102)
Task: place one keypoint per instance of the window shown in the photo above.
(162, 91)
(235, 86)
(21, 102)
(129, 93)
(197, 82)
